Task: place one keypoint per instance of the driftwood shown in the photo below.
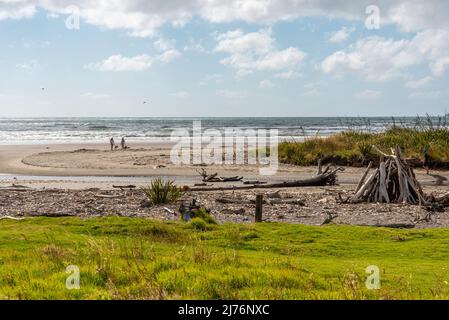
(404, 225)
(362, 181)
(255, 182)
(297, 202)
(15, 189)
(444, 200)
(129, 187)
(392, 182)
(50, 215)
(328, 177)
(11, 218)
(330, 218)
(266, 201)
(215, 178)
(107, 196)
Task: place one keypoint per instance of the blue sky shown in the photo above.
(278, 58)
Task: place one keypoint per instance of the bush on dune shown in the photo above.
(355, 147)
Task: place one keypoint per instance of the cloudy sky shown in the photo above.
(223, 57)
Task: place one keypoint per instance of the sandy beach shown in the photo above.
(77, 166)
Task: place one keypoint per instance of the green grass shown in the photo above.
(355, 147)
(124, 258)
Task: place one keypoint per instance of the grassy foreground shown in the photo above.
(122, 258)
(355, 147)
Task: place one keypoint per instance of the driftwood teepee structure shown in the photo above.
(392, 182)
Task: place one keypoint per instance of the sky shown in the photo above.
(225, 58)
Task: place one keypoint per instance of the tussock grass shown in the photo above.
(162, 192)
(118, 259)
(355, 147)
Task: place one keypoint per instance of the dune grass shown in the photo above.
(124, 258)
(355, 147)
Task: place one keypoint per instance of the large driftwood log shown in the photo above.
(405, 225)
(327, 178)
(297, 202)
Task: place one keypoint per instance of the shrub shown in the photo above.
(198, 224)
(204, 215)
(162, 192)
(350, 147)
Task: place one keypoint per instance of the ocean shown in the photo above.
(94, 130)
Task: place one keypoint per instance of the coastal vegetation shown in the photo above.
(162, 191)
(355, 147)
(133, 258)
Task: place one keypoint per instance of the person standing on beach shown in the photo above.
(123, 143)
(112, 144)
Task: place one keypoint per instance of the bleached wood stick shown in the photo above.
(364, 177)
(380, 151)
(383, 193)
(365, 186)
(11, 218)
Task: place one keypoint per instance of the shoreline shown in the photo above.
(77, 165)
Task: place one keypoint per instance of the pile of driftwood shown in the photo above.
(393, 182)
(325, 177)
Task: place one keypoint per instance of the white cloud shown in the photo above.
(425, 95)
(194, 46)
(231, 94)
(287, 75)
(278, 60)
(380, 59)
(181, 94)
(163, 44)
(341, 35)
(144, 18)
(255, 51)
(266, 84)
(27, 66)
(313, 93)
(238, 42)
(216, 78)
(35, 44)
(368, 95)
(168, 49)
(119, 63)
(314, 85)
(16, 9)
(420, 83)
(376, 58)
(434, 46)
(138, 63)
(169, 55)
